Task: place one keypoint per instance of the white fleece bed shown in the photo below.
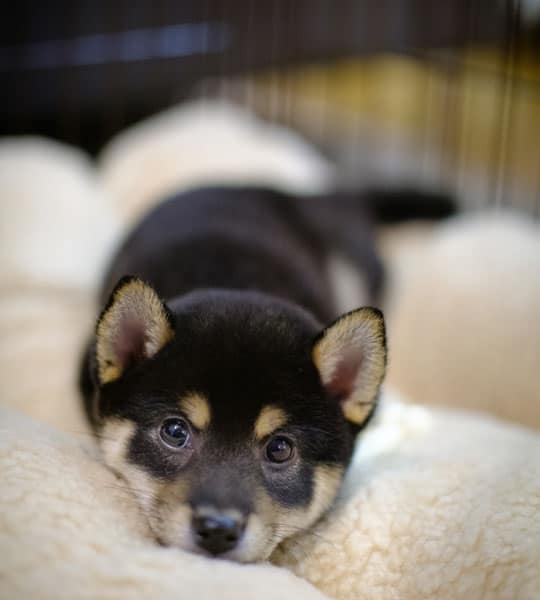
(437, 504)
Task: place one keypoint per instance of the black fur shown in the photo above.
(232, 238)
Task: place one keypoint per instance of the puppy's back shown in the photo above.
(234, 238)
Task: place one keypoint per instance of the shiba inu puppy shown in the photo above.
(220, 382)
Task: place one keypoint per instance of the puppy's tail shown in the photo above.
(389, 206)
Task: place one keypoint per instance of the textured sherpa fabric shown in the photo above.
(57, 230)
(57, 226)
(438, 506)
(41, 337)
(468, 294)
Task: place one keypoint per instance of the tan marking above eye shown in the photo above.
(197, 409)
(270, 418)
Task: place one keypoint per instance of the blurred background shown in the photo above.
(441, 93)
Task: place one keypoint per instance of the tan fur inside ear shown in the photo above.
(134, 327)
(351, 359)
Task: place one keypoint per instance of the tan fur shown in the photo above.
(365, 329)
(270, 418)
(326, 483)
(271, 522)
(197, 409)
(170, 519)
(114, 438)
(133, 301)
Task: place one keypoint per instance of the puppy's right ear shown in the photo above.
(350, 356)
(133, 327)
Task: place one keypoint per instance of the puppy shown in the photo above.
(220, 382)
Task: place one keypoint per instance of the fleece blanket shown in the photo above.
(426, 513)
(468, 294)
(437, 504)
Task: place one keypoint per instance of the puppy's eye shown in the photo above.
(279, 449)
(175, 432)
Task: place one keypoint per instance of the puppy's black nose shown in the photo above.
(217, 533)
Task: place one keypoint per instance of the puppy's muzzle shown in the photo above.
(217, 533)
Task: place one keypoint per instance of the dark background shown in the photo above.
(81, 71)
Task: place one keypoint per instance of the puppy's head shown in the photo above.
(232, 415)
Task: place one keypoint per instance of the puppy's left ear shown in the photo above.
(350, 356)
(133, 327)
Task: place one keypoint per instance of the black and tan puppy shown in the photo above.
(219, 382)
